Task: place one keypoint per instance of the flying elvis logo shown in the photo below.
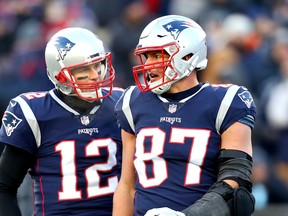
(246, 98)
(10, 122)
(176, 27)
(63, 46)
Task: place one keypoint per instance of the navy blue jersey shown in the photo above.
(178, 142)
(78, 156)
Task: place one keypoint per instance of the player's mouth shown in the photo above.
(153, 77)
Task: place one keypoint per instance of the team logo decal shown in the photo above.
(63, 46)
(172, 108)
(176, 27)
(246, 98)
(10, 122)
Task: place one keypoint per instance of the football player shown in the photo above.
(68, 138)
(187, 146)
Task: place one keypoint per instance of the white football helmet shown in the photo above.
(76, 47)
(178, 36)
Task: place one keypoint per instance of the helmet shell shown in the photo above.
(179, 36)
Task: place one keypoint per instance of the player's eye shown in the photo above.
(81, 78)
(158, 56)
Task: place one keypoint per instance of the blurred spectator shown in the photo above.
(158, 7)
(233, 49)
(280, 12)
(106, 11)
(275, 104)
(124, 37)
(240, 54)
(260, 175)
(191, 9)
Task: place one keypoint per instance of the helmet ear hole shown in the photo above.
(187, 57)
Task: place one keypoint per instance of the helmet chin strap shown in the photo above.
(161, 89)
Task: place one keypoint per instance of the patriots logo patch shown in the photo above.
(246, 98)
(176, 27)
(10, 122)
(63, 46)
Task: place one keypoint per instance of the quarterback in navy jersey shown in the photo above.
(68, 138)
(186, 145)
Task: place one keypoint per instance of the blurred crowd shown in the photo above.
(247, 45)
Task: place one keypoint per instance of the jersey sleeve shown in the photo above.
(123, 111)
(237, 106)
(16, 126)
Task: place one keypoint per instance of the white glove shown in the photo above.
(165, 211)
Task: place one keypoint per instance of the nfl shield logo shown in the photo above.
(172, 108)
(85, 120)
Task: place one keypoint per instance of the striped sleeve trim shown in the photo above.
(31, 119)
(126, 107)
(224, 106)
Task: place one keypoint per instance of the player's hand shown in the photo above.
(165, 211)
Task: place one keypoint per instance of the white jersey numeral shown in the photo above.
(68, 169)
(197, 154)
